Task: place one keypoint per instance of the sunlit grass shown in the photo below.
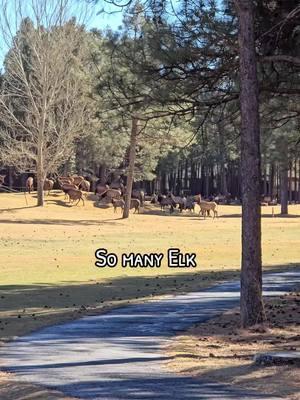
(47, 255)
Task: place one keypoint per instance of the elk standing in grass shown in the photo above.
(75, 194)
(118, 203)
(29, 184)
(48, 185)
(85, 185)
(206, 206)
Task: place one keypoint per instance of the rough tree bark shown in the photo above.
(271, 182)
(284, 188)
(290, 189)
(130, 173)
(40, 174)
(251, 303)
(284, 174)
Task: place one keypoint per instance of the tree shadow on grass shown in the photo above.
(138, 329)
(66, 222)
(16, 209)
(67, 297)
(262, 216)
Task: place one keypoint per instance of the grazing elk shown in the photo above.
(75, 194)
(118, 203)
(110, 194)
(154, 199)
(136, 204)
(190, 204)
(85, 185)
(48, 185)
(66, 187)
(206, 206)
(165, 201)
(66, 179)
(138, 194)
(77, 179)
(177, 200)
(29, 184)
(197, 198)
(100, 188)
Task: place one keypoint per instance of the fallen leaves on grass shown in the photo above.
(219, 350)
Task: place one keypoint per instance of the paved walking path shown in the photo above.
(119, 355)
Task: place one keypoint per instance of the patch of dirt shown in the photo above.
(218, 350)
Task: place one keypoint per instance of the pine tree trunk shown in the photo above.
(102, 174)
(271, 182)
(186, 171)
(10, 177)
(295, 181)
(206, 181)
(299, 181)
(40, 175)
(284, 188)
(290, 183)
(265, 182)
(251, 274)
(130, 173)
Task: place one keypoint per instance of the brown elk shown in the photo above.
(65, 179)
(138, 194)
(206, 206)
(118, 203)
(110, 194)
(85, 185)
(48, 185)
(100, 189)
(197, 198)
(66, 187)
(29, 184)
(75, 194)
(77, 179)
(134, 203)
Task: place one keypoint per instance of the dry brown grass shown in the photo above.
(218, 350)
(47, 258)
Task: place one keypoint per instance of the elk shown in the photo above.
(85, 185)
(66, 187)
(76, 194)
(118, 203)
(100, 188)
(206, 206)
(138, 194)
(181, 201)
(110, 194)
(29, 184)
(48, 185)
(77, 179)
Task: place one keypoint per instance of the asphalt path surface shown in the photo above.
(119, 355)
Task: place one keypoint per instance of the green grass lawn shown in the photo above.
(47, 256)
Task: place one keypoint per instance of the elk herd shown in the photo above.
(74, 187)
(186, 203)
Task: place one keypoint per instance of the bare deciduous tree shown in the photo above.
(43, 108)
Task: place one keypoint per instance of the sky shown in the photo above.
(98, 20)
(106, 19)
